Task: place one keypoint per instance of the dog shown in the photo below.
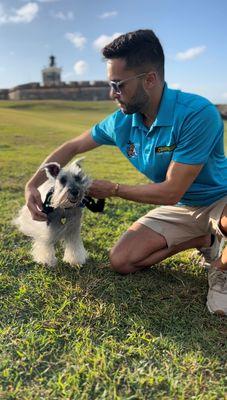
(64, 195)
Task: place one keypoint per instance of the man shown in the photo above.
(176, 140)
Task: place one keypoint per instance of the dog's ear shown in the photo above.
(52, 169)
(78, 161)
(75, 166)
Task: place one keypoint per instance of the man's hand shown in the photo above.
(101, 189)
(34, 203)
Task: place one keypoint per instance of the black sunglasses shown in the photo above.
(115, 85)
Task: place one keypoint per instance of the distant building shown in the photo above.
(223, 110)
(4, 94)
(52, 74)
(53, 88)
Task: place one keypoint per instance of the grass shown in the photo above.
(88, 333)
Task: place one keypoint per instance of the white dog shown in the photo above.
(64, 196)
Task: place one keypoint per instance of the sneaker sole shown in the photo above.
(216, 312)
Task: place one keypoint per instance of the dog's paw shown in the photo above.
(43, 254)
(75, 259)
(44, 260)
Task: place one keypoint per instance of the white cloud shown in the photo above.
(47, 1)
(190, 53)
(103, 40)
(64, 16)
(108, 14)
(80, 67)
(174, 86)
(77, 39)
(224, 95)
(2, 15)
(24, 14)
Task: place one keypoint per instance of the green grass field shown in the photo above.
(90, 333)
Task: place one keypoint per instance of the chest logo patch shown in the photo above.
(131, 150)
(165, 149)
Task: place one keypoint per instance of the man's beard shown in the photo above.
(137, 102)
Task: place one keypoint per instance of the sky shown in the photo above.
(193, 34)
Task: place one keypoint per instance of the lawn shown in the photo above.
(88, 333)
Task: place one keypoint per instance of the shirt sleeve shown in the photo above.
(104, 131)
(198, 136)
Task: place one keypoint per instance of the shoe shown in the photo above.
(209, 254)
(217, 293)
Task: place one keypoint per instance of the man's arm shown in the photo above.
(179, 178)
(62, 155)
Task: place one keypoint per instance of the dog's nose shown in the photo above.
(74, 192)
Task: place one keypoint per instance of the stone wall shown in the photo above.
(78, 90)
(89, 93)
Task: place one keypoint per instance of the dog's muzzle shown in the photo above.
(92, 204)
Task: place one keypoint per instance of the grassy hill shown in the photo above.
(89, 333)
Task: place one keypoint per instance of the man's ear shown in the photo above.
(151, 78)
(52, 169)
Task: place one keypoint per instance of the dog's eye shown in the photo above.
(77, 178)
(63, 180)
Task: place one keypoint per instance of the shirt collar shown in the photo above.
(137, 120)
(166, 108)
(165, 112)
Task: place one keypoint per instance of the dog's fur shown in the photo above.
(70, 185)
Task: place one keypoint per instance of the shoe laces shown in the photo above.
(213, 252)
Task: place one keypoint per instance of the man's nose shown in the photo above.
(114, 95)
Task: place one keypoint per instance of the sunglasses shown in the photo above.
(115, 85)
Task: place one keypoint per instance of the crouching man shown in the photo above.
(176, 140)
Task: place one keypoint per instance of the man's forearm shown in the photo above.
(152, 193)
(179, 178)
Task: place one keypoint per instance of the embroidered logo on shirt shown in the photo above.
(131, 150)
(164, 149)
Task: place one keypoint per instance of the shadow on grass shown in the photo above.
(167, 300)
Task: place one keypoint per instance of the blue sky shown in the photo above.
(193, 34)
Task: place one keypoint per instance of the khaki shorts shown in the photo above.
(180, 224)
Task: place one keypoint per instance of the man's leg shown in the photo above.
(142, 247)
(221, 263)
(217, 276)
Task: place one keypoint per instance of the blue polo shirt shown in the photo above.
(188, 129)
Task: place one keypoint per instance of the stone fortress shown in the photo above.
(53, 88)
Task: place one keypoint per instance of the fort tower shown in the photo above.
(52, 74)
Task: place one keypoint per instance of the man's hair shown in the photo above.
(139, 49)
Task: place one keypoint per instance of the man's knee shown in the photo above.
(119, 262)
(223, 221)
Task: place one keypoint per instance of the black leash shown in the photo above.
(92, 204)
(47, 209)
